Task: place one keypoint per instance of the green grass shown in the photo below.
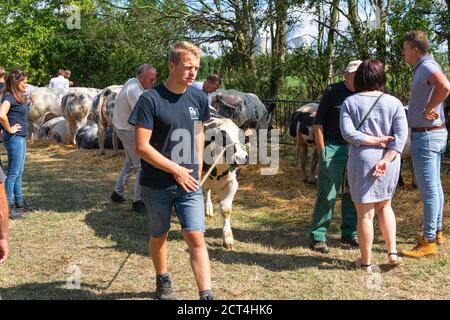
(77, 225)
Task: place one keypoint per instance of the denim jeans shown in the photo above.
(16, 148)
(159, 204)
(427, 149)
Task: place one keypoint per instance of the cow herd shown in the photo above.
(83, 117)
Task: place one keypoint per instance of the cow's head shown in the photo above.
(223, 133)
(77, 102)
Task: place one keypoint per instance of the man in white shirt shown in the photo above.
(128, 96)
(59, 82)
(212, 83)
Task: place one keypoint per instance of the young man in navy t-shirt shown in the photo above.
(169, 133)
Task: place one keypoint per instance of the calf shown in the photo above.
(222, 177)
(301, 128)
(102, 110)
(76, 106)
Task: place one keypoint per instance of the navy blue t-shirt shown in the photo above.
(2, 85)
(18, 113)
(172, 119)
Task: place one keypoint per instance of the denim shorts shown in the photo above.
(159, 204)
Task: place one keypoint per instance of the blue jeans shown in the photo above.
(426, 153)
(16, 148)
(159, 203)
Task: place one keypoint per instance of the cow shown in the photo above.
(102, 110)
(301, 127)
(222, 177)
(54, 129)
(76, 106)
(245, 109)
(87, 137)
(43, 101)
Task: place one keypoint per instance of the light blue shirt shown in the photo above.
(421, 93)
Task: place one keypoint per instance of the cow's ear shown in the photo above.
(64, 101)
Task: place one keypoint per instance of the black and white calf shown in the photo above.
(302, 130)
(222, 136)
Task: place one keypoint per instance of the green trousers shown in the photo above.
(332, 161)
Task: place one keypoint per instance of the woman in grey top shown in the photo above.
(377, 137)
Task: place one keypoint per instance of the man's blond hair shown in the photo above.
(419, 40)
(177, 51)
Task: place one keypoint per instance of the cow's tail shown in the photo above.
(100, 108)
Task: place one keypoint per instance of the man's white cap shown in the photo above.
(353, 66)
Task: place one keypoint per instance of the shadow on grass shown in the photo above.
(59, 291)
(129, 232)
(278, 262)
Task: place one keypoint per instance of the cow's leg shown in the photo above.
(102, 127)
(72, 131)
(115, 141)
(314, 160)
(209, 210)
(302, 156)
(225, 209)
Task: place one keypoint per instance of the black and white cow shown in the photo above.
(245, 109)
(102, 109)
(302, 130)
(223, 176)
(87, 137)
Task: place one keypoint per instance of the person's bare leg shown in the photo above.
(365, 213)
(158, 252)
(388, 226)
(199, 259)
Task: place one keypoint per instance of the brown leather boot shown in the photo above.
(423, 248)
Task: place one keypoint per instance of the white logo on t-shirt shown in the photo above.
(195, 114)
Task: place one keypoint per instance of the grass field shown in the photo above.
(76, 228)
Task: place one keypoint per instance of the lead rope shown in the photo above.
(208, 173)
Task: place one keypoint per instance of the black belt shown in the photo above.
(442, 126)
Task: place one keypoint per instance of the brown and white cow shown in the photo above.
(76, 106)
(223, 176)
(102, 110)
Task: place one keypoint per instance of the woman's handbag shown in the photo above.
(345, 187)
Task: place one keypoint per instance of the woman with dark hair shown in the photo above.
(375, 125)
(13, 118)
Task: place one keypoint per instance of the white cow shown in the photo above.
(222, 177)
(76, 106)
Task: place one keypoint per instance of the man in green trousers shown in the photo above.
(332, 150)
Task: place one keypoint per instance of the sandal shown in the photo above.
(364, 267)
(395, 262)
